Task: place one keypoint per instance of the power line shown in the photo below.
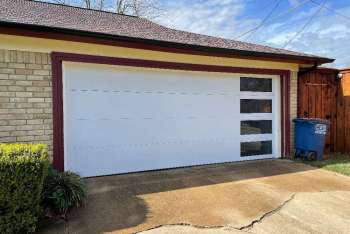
(277, 17)
(291, 9)
(262, 22)
(288, 11)
(306, 24)
(331, 9)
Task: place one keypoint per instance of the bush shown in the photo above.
(22, 172)
(62, 192)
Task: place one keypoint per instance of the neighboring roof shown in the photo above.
(328, 68)
(48, 15)
(346, 69)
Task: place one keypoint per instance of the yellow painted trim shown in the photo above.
(31, 44)
(178, 72)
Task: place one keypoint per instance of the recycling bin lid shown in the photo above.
(312, 120)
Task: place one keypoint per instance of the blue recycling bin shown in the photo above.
(310, 137)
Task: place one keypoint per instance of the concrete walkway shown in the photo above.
(273, 196)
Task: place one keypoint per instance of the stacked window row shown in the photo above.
(256, 106)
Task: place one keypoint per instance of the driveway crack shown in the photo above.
(267, 214)
(192, 225)
(245, 228)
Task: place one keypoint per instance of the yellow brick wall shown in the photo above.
(293, 105)
(25, 97)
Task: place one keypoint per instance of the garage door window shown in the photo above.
(256, 106)
(256, 148)
(256, 127)
(256, 84)
(257, 110)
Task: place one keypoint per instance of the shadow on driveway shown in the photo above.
(231, 194)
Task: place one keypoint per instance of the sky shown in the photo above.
(315, 30)
(320, 27)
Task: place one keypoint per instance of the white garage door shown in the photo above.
(125, 119)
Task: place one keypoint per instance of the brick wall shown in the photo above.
(293, 105)
(25, 97)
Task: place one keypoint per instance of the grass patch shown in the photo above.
(338, 163)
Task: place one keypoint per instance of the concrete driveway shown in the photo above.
(271, 196)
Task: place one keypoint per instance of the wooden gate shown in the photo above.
(321, 94)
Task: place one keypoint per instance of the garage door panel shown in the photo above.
(132, 79)
(141, 131)
(119, 120)
(82, 102)
(147, 156)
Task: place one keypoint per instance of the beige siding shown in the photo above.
(31, 44)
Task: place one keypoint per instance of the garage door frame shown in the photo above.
(58, 58)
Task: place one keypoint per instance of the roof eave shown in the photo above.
(167, 44)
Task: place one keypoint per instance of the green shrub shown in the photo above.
(62, 192)
(22, 172)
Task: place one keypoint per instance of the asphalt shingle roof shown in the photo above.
(93, 21)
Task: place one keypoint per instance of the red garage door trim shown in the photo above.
(58, 58)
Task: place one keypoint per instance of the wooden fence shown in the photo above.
(343, 113)
(322, 94)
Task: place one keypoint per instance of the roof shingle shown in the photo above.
(93, 21)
